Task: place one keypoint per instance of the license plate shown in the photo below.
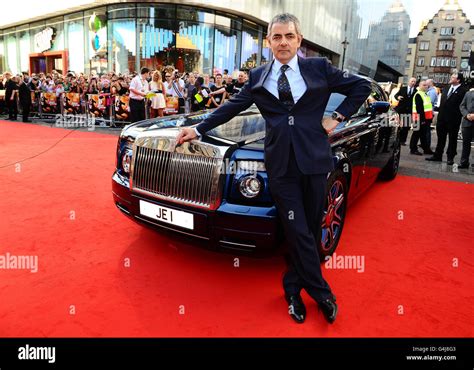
(168, 215)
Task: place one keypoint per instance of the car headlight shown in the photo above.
(127, 160)
(250, 186)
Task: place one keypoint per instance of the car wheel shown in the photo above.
(334, 214)
(389, 172)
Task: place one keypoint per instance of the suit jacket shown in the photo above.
(301, 126)
(405, 105)
(466, 107)
(449, 113)
(24, 93)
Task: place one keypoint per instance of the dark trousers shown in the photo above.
(300, 200)
(428, 136)
(404, 134)
(25, 108)
(467, 135)
(446, 130)
(420, 135)
(12, 109)
(137, 110)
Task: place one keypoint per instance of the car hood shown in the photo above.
(245, 130)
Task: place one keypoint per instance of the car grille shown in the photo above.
(189, 175)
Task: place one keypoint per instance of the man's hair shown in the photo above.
(144, 70)
(200, 81)
(460, 77)
(284, 18)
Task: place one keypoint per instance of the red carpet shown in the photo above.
(408, 262)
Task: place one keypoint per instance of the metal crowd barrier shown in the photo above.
(102, 109)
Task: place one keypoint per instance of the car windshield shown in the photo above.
(250, 126)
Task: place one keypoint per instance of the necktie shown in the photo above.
(450, 91)
(410, 92)
(284, 90)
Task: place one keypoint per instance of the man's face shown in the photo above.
(412, 82)
(241, 77)
(454, 79)
(284, 41)
(219, 79)
(423, 86)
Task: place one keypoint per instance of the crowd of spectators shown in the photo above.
(195, 91)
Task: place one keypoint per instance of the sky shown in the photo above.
(370, 10)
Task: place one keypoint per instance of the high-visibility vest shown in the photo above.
(427, 106)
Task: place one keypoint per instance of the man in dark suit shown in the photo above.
(291, 94)
(449, 119)
(24, 94)
(11, 96)
(467, 111)
(405, 103)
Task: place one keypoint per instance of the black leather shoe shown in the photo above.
(329, 308)
(450, 162)
(434, 159)
(464, 166)
(416, 152)
(296, 308)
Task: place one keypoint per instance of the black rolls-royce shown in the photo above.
(216, 188)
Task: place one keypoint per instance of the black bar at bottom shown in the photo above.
(380, 353)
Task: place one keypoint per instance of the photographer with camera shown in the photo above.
(175, 87)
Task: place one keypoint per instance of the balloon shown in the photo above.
(96, 22)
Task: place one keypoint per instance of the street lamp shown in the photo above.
(344, 47)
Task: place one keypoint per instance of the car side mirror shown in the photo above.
(379, 107)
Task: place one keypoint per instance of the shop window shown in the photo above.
(194, 45)
(95, 26)
(11, 51)
(74, 40)
(58, 26)
(226, 49)
(23, 35)
(157, 43)
(117, 11)
(250, 46)
(122, 33)
(161, 11)
(195, 14)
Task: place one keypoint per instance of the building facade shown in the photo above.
(410, 60)
(388, 39)
(207, 36)
(444, 44)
